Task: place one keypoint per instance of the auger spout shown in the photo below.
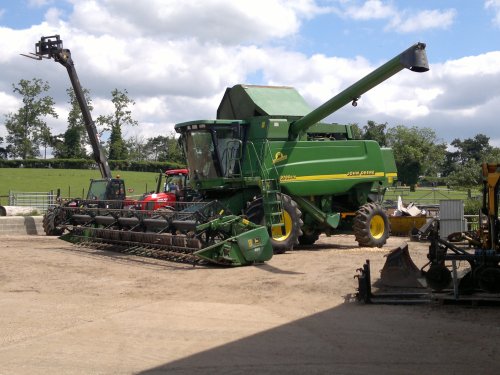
(414, 59)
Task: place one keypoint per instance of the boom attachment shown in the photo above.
(51, 47)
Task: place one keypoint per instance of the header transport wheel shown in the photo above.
(371, 226)
(51, 220)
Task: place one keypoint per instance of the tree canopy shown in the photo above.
(72, 143)
(417, 152)
(114, 122)
(27, 128)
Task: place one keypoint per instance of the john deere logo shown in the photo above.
(279, 157)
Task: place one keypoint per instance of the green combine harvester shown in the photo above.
(268, 157)
(268, 175)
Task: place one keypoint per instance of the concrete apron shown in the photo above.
(12, 225)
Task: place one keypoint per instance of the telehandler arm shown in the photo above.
(52, 47)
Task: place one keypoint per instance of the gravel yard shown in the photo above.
(74, 310)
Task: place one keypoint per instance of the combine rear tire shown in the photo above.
(50, 221)
(371, 226)
(281, 240)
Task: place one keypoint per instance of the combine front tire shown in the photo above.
(50, 221)
(371, 226)
(282, 238)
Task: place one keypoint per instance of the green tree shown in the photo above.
(174, 151)
(376, 132)
(357, 132)
(3, 150)
(467, 156)
(136, 148)
(468, 175)
(114, 122)
(164, 148)
(75, 137)
(477, 148)
(45, 140)
(156, 148)
(27, 128)
(417, 152)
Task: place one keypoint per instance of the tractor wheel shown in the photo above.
(50, 221)
(282, 238)
(309, 238)
(371, 226)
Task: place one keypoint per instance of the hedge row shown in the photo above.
(122, 165)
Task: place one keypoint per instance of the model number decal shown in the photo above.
(360, 173)
(287, 178)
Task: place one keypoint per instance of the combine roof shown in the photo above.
(244, 101)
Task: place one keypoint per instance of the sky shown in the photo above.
(176, 58)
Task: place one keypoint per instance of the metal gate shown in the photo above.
(40, 201)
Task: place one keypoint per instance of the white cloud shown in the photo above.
(494, 5)
(371, 9)
(53, 16)
(226, 22)
(8, 103)
(39, 3)
(176, 63)
(401, 20)
(424, 20)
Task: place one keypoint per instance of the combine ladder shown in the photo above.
(271, 194)
(273, 205)
(272, 199)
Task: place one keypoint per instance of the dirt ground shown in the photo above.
(72, 310)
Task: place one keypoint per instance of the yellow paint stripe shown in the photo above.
(340, 176)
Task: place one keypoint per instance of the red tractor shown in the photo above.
(175, 189)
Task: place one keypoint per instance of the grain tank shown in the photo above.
(268, 156)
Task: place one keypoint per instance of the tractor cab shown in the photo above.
(176, 180)
(107, 191)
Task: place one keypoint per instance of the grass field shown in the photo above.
(72, 182)
(75, 182)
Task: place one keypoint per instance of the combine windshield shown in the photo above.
(201, 156)
(213, 152)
